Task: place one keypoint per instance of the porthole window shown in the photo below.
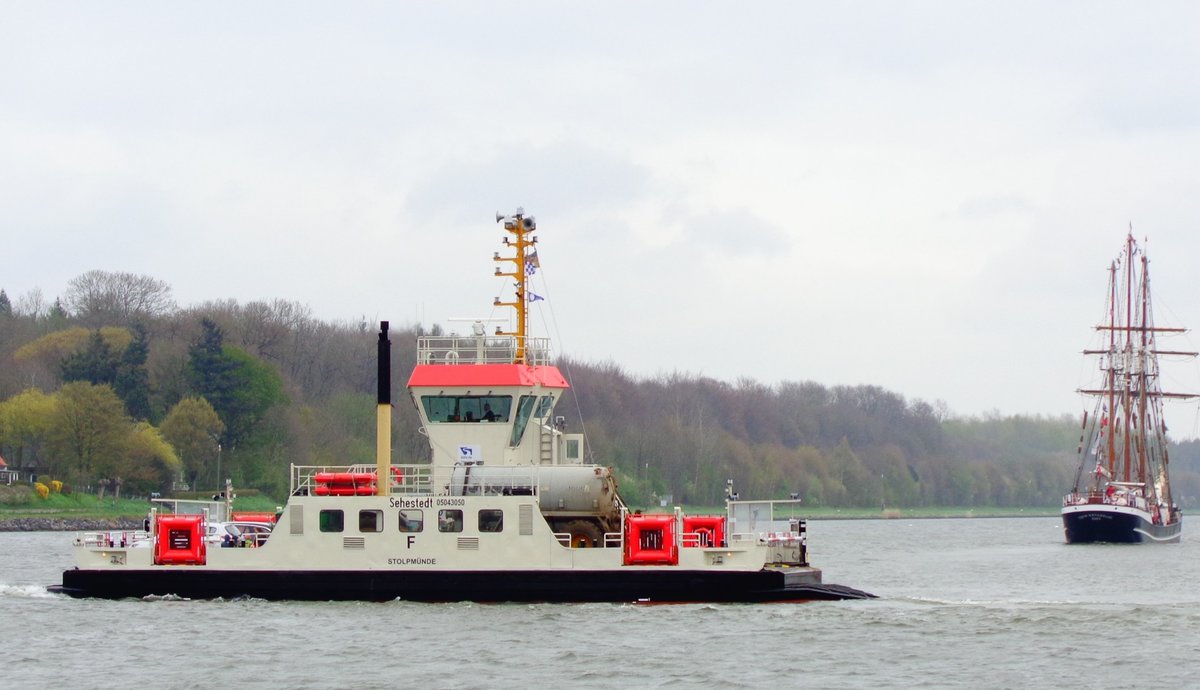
(332, 521)
(370, 521)
(412, 520)
(491, 520)
(450, 520)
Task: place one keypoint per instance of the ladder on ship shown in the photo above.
(546, 447)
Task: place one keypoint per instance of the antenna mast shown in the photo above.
(520, 226)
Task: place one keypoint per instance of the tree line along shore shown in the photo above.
(112, 389)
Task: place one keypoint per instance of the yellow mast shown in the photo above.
(519, 226)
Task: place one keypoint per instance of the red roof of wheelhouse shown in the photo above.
(434, 375)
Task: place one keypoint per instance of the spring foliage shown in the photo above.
(269, 385)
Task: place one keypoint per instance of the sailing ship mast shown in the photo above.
(1133, 448)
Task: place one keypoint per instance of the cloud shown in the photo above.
(739, 233)
(556, 179)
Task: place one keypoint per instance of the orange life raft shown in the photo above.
(650, 540)
(179, 540)
(709, 530)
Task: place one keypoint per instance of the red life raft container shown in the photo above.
(650, 540)
(179, 540)
(709, 530)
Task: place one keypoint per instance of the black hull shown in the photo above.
(1098, 525)
(434, 586)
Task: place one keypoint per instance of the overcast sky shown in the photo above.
(923, 196)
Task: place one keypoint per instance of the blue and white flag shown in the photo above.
(535, 298)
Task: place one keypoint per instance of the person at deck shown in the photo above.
(488, 415)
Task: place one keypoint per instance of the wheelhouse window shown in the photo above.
(412, 520)
(545, 405)
(370, 521)
(491, 520)
(524, 410)
(331, 521)
(450, 520)
(440, 409)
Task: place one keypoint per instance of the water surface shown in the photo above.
(964, 603)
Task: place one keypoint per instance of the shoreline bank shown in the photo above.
(69, 524)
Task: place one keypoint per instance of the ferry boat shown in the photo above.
(1122, 490)
(508, 508)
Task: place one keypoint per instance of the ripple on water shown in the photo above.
(967, 604)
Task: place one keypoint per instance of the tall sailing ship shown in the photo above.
(1122, 490)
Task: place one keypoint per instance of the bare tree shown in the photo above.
(31, 304)
(117, 298)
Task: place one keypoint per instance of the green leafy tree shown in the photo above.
(96, 363)
(25, 425)
(861, 488)
(89, 432)
(240, 387)
(193, 428)
(258, 388)
(149, 463)
(99, 363)
(130, 380)
(210, 373)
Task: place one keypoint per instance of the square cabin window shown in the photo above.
(332, 521)
(370, 521)
(450, 520)
(412, 520)
(491, 520)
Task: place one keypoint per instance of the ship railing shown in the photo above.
(1096, 497)
(755, 520)
(476, 480)
(412, 479)
(115, 539)
(496, 349)
(608, 541)
(425, 480)
(697, 540)
(405, 479)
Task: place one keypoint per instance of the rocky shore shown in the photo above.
(61, 524)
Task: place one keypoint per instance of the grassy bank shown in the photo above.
(21, 502)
